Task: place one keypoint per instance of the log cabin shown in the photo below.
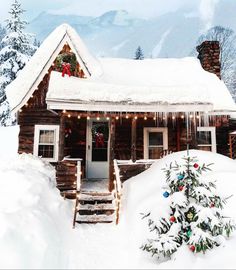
(81, 113)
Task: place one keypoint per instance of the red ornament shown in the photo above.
(181, 188)
(195, 165)
(172, 219)
(192, 248)
(66, 69)
(212, 205)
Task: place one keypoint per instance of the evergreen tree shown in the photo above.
(16, 49)
(2, 34)
(195, 215)
(139, 54)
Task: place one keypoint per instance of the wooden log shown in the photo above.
(62, 137)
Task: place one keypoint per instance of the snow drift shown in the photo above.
(32, 215)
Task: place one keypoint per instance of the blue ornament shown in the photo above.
(166, 194)
(180, 177)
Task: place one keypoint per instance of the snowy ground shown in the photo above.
(36, 223)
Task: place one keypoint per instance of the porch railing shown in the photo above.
(123, 170)
(232, 145)
(69, 173)
(117, 190)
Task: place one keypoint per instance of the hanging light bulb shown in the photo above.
(173, 117)
(108, 118)
(88, 117)
(182, 116)
(190, 116)
(136, 117)
(98, 118)
(127, 117)
(79, 117)
(117, 117)
(64, 111)
(69, 115)
(145, 117)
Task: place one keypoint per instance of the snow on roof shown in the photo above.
(28, 79)
(160, 81)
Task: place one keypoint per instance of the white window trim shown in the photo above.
(37, 129)
(213, 137)
(146, 131)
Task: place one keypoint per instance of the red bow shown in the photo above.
(66, 69)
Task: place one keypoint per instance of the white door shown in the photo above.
(97, 149)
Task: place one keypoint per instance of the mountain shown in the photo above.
(117, 34)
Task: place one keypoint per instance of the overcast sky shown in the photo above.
(144, 8)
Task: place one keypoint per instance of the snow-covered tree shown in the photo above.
(2, 34)
(227, 40)
(195, 215)
(16, 49)
(139, 54)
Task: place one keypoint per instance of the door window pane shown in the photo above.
(100, 136)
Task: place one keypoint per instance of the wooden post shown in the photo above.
(112, 153)
(133, 140)
(178, 135)
(62, 137)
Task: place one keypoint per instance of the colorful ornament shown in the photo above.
(166, 194)
(189, 232)
(212, 205)
(181, 188)
(192, 248)
(172, 219)
(180, 177)
(190, 216)
(195, 165)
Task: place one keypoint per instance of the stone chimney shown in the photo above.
(209, 56)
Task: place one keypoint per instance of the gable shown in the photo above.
(28, 79)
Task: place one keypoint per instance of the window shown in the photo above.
(206, 138)
(155, 141)
(46, 139)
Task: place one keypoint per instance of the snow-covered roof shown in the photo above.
(28, 79)
(147, 85)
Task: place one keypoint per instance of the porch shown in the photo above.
(97, 138)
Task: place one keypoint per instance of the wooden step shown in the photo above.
(95, 218)
(96, 197)
(97, 207)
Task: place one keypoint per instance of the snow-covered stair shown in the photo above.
(94, 207)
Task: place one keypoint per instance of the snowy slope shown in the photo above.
(118, 34)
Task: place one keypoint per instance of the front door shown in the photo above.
(97, 149)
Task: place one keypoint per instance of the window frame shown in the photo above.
(37, 130)
(146, 131)
(213, 137)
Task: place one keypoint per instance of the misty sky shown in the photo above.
(143, 8)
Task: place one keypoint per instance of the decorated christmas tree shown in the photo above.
(195, 215)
